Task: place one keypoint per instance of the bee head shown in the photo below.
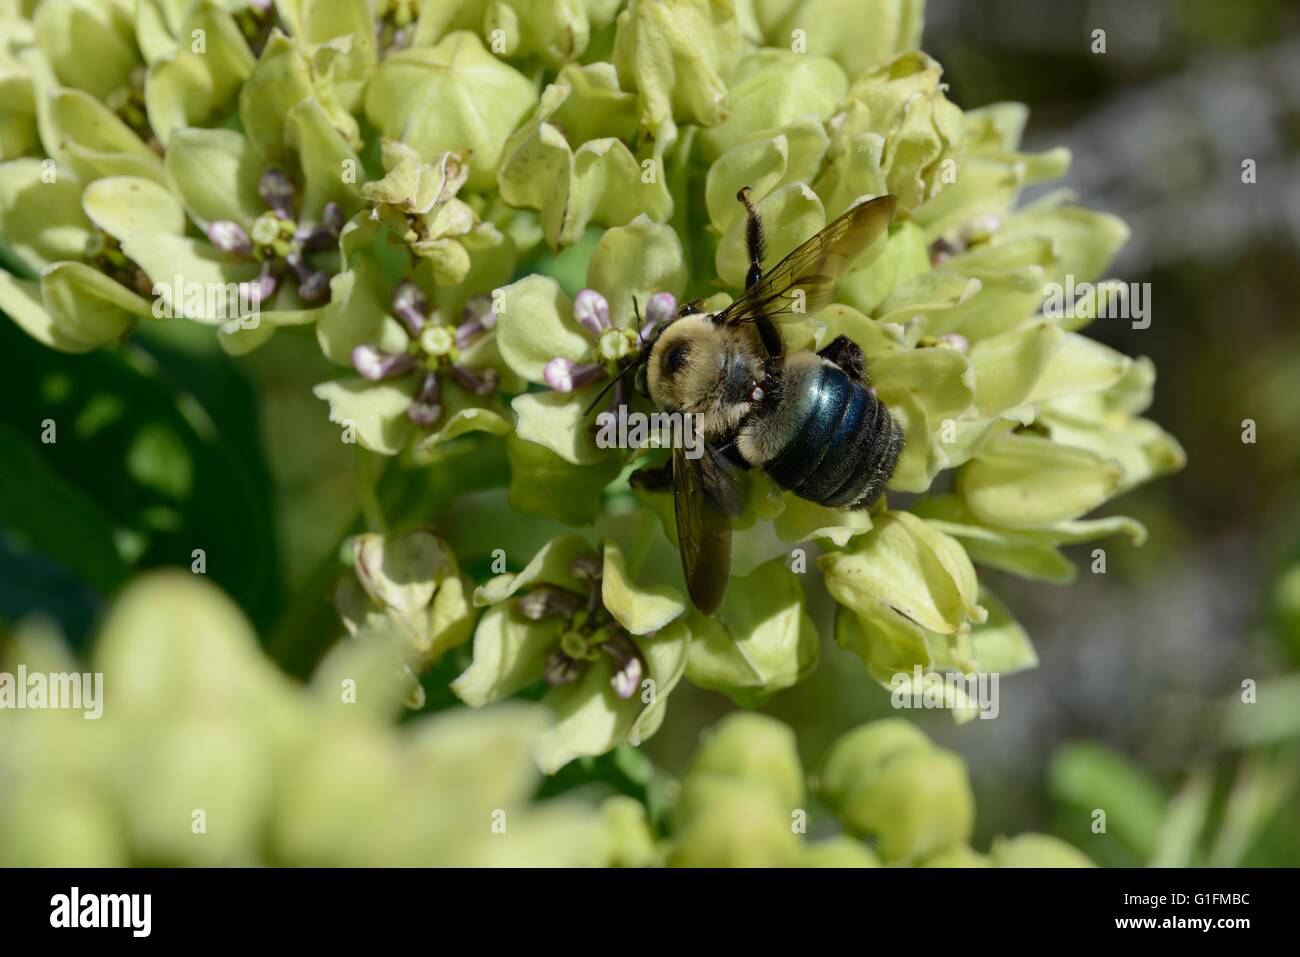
(643, 361)
(696, 366)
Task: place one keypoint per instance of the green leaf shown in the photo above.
(1089, 777)
(176, 484)
(52, 516)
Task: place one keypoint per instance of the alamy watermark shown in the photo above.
(1107, 300)
(942, 691)
(130, 911)
(58, 690)
(639, 430)
(236, 305)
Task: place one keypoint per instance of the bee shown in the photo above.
(809, 420)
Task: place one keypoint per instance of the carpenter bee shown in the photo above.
(809, 420)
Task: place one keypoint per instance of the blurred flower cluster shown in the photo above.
(463, 201)
(204, 754)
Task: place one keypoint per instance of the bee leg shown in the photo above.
(755, 238)
(756, 241)
(847, 354)
(767, 392)
(654, 478)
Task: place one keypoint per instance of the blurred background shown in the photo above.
(1137, 702)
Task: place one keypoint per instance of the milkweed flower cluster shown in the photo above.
(470, 204)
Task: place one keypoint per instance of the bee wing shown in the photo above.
(703, 528)
(804, 281)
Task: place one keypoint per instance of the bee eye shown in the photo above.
(675, 358)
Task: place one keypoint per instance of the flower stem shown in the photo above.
(364, 460)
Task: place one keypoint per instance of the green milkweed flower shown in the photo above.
(610, 651)
(418, 205)
(467, 200)
(410, 588)
(571, 161)
(198, 718)
(87, 296)
(418, 374)
(454, 96)
(900, 801)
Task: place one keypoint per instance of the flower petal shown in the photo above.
(639, 610)
(217, 172)
(639, 259)
(591, 719)
(453, 96)
(760, 641)
(535, 324)
(908, 566)
(542, 483)
(375, 410)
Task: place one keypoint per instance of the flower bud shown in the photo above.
(277, 191)
(662, 307)
(477, 381)
(628, 666)
(229, 237)
(734, 824)
(374, 364)
(1035, 850)
(425, 409)
(756, 749)
(562, 375)
(630, 842)
(410, 306)
(592, 311)
(548, 600)
(885, 780)
(315, 288)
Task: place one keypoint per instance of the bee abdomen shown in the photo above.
(874, 453)
(845, 449)
(815, 425)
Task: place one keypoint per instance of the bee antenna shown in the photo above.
(636, 310)
(610, 384)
